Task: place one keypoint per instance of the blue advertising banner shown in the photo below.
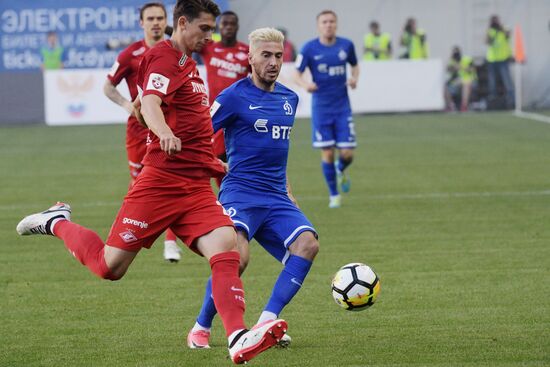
(82, 29)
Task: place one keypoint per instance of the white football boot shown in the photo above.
(334, 201)
(256, 340)
(42, 223)
(172, 252)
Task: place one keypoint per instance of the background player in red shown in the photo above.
(226, 62)
(153, 21)
(173, 190)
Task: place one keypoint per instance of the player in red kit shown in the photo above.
(173, 190)
(226, 62)
(153, 21)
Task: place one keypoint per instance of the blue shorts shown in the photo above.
(275, 223)
(331, 129)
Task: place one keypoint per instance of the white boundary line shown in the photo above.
(532, 116)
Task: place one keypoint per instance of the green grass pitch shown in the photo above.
(452, 211)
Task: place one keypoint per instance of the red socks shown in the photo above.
(170, 235)
(227, 290)
(85, 245)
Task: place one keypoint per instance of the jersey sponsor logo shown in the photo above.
(342, 55)
(229, 66)
(337, 70)
(322, 68)
(288, 108)
(158, 82)
(277, 131)
(139, 51)
(280, 132)
(198, 87)
(250, 107)
(215, 106)
(128, 236)
(134, 222)
(261, 126)
(114, 68)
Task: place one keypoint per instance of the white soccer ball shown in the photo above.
(355, 287)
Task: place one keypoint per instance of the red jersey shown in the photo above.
(224, 65)
(169, 74)
(126, 67)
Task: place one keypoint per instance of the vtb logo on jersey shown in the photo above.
(277, 131)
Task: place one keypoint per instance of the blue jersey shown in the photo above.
(257, 127)
(327, 65)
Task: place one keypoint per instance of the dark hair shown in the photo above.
(151, 5)
(375, 24)
(326, 11)
(191, 9)
(229, 12)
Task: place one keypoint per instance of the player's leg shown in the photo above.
(289, 237)
(345, 142)
(199, 335)
(209, 231)
(296, 267)
(323, 138)
(83, 243)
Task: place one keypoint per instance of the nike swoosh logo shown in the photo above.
(318, 57)
(250, 107)
(293, 280)
(233, 288)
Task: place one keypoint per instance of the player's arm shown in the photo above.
(154, 118)
(301, 65)
(114, 95)
(289, 193)
(352, 60)
(352, 82)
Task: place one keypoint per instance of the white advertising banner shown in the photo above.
(75, 97)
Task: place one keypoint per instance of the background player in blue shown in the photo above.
(257, 115)
(331, 118)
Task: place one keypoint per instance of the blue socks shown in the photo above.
(342, 164)
(288, 284)
(330, 177)
(208, 310)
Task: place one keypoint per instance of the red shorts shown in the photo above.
(218, 144)
(160, 200)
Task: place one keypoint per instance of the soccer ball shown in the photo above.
(355, 287)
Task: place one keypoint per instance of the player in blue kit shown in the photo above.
(332, 122)
(257, 115)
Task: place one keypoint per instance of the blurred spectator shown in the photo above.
(414, 40)
(462, 77)
(377, 46)
(499, 54)
(52, 53)
(289, 51)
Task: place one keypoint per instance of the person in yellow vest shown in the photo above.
(499, 54)
(377, 45)
(52, 53)
(414, 41)
(462, 78)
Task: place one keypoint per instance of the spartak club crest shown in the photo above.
(157, 82)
